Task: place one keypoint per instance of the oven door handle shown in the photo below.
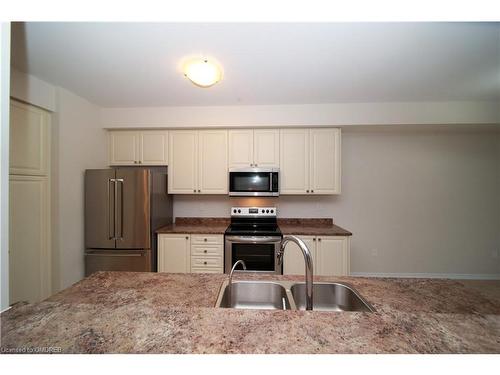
(253, 239)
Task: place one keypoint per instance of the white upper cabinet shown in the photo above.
(198, 162)
(29, 133)
(310, 161)
(153, 146)
(266, 148)
(240, 148)
(212, 162)
(148, 147)
(324, 161)
(254, 148)
(183, 157)
(294, 169)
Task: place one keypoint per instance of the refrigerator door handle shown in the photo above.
(111, 212)
(120, 217)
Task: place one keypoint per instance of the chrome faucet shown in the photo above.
(229, 290)
(308, 262)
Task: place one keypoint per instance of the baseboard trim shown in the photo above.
(463, 276)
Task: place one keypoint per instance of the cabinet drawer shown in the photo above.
(207, 239)
(206, 262)
(204, 250)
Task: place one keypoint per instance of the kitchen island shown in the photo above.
(126, 312)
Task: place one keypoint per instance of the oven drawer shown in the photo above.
(206, 250)
(206, 262)
(209, 239)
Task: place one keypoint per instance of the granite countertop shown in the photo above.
(218, 225)
(126, 312)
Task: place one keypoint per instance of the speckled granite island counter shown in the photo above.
(121, 312)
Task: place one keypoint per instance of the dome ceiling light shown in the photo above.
(203, 72)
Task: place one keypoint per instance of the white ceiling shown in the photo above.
(138, 64)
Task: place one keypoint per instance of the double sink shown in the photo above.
(287, 295)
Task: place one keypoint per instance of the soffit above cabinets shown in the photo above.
(137, 64)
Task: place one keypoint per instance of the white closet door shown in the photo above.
(29, 139)
(29, 239)
(266, 146)
(294, 160)
(240, 148)
(212, 162)
(183, 159)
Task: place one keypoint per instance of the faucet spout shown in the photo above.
(229, 285)
(308, 264)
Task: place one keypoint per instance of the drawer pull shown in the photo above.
(204, 262)
(205, 239)
(205, 251)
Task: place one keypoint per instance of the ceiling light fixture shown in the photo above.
(202, 72)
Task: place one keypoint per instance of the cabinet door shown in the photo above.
(212, 162)
(123, 147)
(29, 140)
(294, 161)
(153, 146)
(29, 239)
(174, 253)
(266, 148)
(293, 261)
(183, 160)
(325, 161)
(240, 148)
(332, 256)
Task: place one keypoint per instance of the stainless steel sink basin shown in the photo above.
(254, 295)
(330, 297)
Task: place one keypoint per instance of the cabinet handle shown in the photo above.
(312, 191)
(199, 191)
(205, 251)
(314, 239)
(135, 161)
(319, 239)
(194, 191)
(187, 238)
(205, 239)
(204, 262)
(140, 162)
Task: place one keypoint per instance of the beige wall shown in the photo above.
(418, 202)
(82, 145)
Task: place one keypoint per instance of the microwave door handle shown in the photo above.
(271, 182)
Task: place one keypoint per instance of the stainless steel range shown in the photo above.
(254, 237)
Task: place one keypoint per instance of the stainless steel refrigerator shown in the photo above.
(123, 209)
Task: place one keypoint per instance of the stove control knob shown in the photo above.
(239, 211)
(267, 211)
(263, 211)
(272, 211)
(234, 211)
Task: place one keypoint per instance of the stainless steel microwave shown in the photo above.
(254, 182)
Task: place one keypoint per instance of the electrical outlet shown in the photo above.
(374, 252)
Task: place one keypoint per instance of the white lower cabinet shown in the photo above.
(174, 253)
(331, 256)
(194, 253)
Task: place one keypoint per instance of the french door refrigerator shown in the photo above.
(123, 209)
